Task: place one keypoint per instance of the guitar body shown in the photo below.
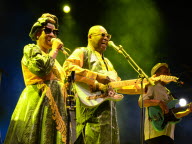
(160, 120)
(92, 99)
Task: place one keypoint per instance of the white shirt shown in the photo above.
(158, 92)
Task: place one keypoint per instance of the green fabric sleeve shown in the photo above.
(38, 63)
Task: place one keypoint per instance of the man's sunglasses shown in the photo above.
(48, 31)
(104, 35)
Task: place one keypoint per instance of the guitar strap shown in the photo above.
(86, 58)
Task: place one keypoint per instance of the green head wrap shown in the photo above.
(42, 22)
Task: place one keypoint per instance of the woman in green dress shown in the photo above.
(40, 114)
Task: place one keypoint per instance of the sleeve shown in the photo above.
(149, 94)
(38, 63)
(75, 63)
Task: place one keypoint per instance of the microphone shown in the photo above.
(62, 48)
(117, 48)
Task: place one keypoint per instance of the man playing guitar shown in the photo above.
(158, 96)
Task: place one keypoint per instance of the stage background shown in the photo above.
(150, 31)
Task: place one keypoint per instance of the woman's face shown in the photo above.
(48, 32)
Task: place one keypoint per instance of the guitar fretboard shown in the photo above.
(132, 82)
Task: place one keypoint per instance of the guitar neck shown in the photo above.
(136, 82)
(180, 109)
(120, 84)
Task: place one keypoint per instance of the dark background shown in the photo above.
(150, 31)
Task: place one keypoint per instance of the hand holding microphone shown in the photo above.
(57, 44)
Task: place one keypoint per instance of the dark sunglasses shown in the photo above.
(104, 35)
(48, 31)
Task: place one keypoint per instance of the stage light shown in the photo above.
(182, 102)
(66, 8)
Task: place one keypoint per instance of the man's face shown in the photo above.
(99, 39)
(163, 71)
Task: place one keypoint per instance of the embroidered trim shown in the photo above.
(61, 127)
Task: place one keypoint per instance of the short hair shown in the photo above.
(95, 28)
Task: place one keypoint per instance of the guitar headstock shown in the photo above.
(164, 78)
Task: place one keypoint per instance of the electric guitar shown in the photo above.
(92, 99)
(160, 120)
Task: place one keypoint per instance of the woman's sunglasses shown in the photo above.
(48, 31)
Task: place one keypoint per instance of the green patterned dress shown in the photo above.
(40, 114)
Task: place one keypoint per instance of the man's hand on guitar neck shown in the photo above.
(104, 79)
(98, 87)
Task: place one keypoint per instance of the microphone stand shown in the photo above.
(71, 105)
(142, 75)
